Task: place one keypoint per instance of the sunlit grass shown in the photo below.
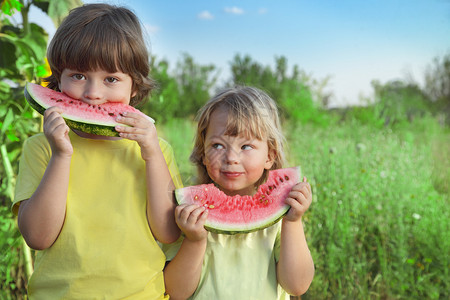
(378, 226)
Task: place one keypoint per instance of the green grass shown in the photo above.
(378, 226)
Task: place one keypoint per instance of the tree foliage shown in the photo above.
(181, 91)
(437, 84)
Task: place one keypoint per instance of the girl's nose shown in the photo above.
(231, 156)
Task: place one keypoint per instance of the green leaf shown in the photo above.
(7, 121)
(59, 9)
(37, 40)
(12, 137)
(7, 55)
(10, 6)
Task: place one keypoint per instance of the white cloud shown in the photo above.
(262, 11)
(151, 28)
(234, 10)
(205, 15)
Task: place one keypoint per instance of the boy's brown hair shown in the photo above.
(101, 36)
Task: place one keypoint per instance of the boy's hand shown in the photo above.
(191, 220)
(299, 199)
(57, 132)
(142, 130)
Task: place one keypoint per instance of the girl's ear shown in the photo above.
(270, 159)
(133, 94)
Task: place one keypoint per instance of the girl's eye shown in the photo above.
(111, 79)
(217, 146)
(247, 147)
(78, 76)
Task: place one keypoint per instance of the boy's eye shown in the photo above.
(247, 147)
(111, 79)
(78, 76)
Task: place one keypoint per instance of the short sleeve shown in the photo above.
(276, 247)
(170, 250)
(35, 156)
(171, 163)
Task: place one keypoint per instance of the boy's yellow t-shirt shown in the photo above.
(105, 249)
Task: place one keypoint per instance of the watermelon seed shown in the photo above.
(281, 179)
(59, 100)
(112, 115)
(286, 177)
(270, 187)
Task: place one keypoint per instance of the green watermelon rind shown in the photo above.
(231, 231)
(236, 229)
(72, 121)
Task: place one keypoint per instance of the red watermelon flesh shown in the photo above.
(243, 214)
(96, 119)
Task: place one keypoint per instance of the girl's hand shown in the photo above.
(57, 132)
(299, 199)
(142, 130)
(191, 219)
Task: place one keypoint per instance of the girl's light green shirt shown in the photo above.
(239, 267)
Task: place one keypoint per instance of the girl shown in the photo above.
(238, 140)
(94, 205)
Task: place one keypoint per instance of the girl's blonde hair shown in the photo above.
(251, 113)
(101, 36)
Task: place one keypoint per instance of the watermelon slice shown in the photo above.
(95, 119)
(243, 214)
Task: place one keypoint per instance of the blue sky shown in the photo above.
(353, 41)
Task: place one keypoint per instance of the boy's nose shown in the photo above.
(92, 91)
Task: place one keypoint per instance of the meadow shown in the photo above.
(378, 226)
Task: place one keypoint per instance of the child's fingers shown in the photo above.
(203, 217)
(53, 122)
(52, 114)
(130, 132)
(138, 129)
(135, 120)
(188, 213)
(52, 109)
(302, 186)
(196, 214)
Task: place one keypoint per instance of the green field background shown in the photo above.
(378, 227)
